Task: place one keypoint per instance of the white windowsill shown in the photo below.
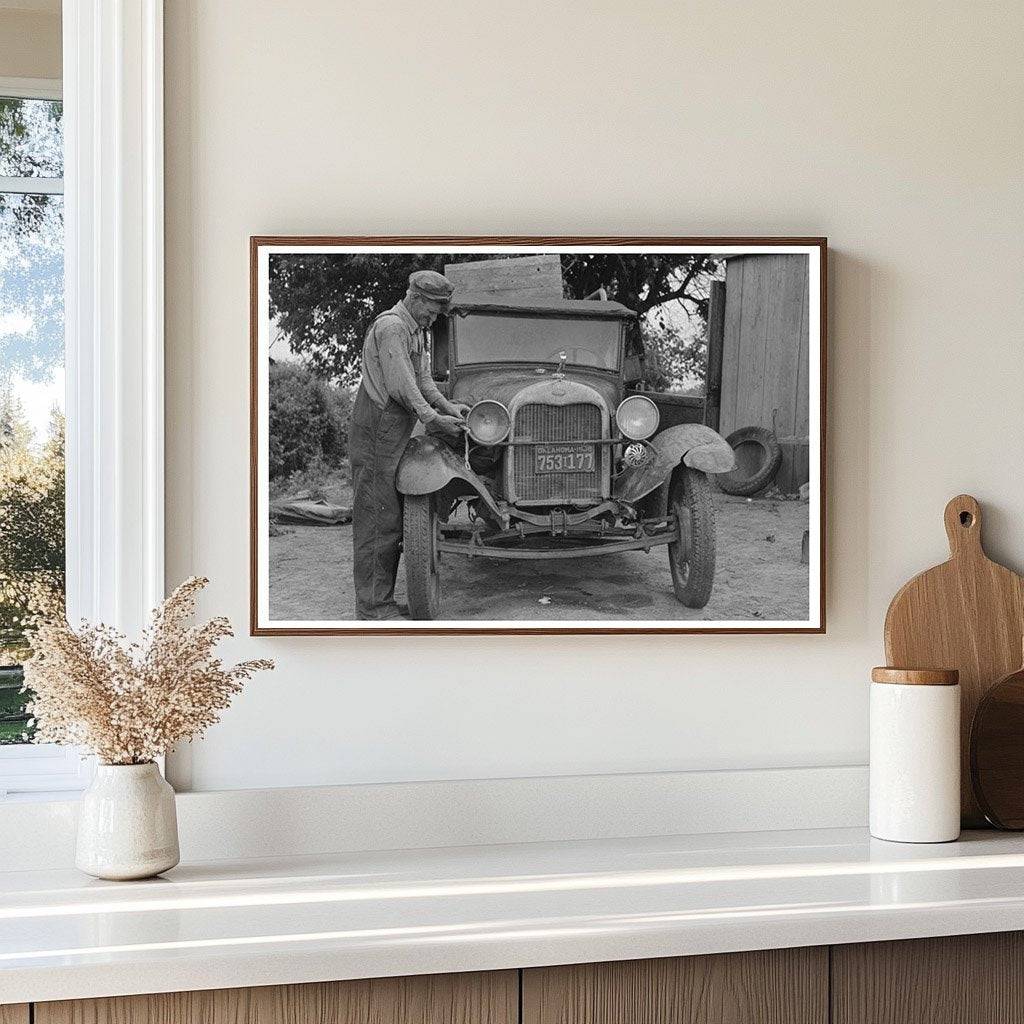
(42, 771)
(241, 824)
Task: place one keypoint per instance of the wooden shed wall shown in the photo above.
(765, 355)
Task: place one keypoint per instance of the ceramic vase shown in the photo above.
(127, 825)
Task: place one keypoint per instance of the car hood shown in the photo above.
(503, 383)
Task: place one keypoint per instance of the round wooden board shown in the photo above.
(997, 752)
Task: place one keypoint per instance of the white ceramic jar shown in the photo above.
(127, 824)
(915, 755)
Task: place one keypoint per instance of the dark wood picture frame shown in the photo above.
(257, 242)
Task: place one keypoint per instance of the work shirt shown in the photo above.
(395, 365)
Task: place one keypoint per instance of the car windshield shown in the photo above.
(493, 338)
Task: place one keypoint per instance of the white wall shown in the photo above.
(895, 129)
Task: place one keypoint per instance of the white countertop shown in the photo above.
(261, 922)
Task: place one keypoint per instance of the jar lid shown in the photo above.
(916, 676)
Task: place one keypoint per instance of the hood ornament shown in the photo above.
(562, 357)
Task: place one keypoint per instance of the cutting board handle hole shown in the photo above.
(962, 517)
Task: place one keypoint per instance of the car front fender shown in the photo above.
(693, 444)
(428, 464)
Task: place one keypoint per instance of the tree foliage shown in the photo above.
(32, 549)
(308, 420)
(31, 349)
(31, 146)
(324, 302)
(643, 281)
(31, 242)
(30, 138)
(672, 360)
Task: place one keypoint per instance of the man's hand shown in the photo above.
(460, 409)
(450, 425)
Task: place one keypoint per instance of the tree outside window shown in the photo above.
(31, 386)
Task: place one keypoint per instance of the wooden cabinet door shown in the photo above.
(777, 986)
(14, 1013)
(482, 998)
(960, 979)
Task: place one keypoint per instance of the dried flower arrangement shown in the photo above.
(130, 703)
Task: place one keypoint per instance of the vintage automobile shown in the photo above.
(565, 454)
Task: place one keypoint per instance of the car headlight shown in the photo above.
(637, 417)
(488, 422)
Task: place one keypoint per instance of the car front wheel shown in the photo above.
(692, 556)
(420, 530)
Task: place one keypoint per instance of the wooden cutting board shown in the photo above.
(967, 614)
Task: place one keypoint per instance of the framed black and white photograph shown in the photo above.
(538, 435)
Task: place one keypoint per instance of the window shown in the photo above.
(491, 338)
(93, 171)
(32, 562)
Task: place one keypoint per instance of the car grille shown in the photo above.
(553, 423)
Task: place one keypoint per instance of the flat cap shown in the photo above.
(431, 285)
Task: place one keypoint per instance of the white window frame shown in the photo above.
(114, 325)
(45, 767)
(32, 88)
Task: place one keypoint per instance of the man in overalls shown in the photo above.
(396, 390)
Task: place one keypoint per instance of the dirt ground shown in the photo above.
(759, 576)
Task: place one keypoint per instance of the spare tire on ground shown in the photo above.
(758, 457)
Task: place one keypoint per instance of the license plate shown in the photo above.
(565, 458)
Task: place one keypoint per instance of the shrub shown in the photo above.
(675, 362)
(308, 420)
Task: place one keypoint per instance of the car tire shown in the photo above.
(692, 557)
(422, 560)
(759, 468)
